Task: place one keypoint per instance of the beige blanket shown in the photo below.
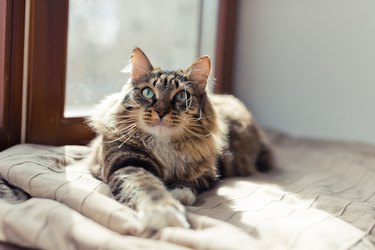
(322, 196)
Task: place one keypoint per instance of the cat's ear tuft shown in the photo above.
(140, 65)
(199, 71)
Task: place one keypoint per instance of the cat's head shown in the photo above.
(168, 103)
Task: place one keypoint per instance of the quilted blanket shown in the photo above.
(320, 196)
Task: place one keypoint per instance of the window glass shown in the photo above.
(102, 35)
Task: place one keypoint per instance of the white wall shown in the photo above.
(307, 67)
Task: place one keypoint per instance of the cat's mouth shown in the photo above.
(161, 123)
(160, 128)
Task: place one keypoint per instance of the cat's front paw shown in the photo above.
(184, 194)
(161, 216)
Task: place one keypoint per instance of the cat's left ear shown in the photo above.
(140, 65)
(199, 71)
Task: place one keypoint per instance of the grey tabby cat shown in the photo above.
(163, 139)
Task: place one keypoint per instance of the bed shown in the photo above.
(320, 196)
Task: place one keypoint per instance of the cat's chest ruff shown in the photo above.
(174, 163)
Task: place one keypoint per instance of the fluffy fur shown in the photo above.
(163, 139)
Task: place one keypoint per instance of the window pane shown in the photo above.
(102, 35)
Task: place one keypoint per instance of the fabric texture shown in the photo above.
(320, 196)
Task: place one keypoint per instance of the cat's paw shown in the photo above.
(161, 216)
(185, 195)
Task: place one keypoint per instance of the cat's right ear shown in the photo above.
(140, 65)
(199, 71)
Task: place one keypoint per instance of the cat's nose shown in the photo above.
(161, 113)
(162, 109)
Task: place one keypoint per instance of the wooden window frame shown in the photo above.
(46, 123)
(47, 72)
(11, 81)
(225, 46)
(3, 42)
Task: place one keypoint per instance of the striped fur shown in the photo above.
(149, 145)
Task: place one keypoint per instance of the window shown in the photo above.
(48, 70)
(102, 34)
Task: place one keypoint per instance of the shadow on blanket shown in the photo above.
(321, 196)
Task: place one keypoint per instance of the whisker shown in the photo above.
(127, 127)
(128, 138)
(127, 135)
(194, 133)
(123, 130)
(199, 118)
(121, 126)
(188, 106)
(130, 111)
(122, 136)
(199, 126)
(181, 134)
(134, 102)
(184, 133)
(128, 116)
(126, 105)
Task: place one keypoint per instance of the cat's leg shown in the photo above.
(144, 192)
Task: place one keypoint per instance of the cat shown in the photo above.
(163, 139)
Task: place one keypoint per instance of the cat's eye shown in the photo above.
(147, 93)
(182, 96)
